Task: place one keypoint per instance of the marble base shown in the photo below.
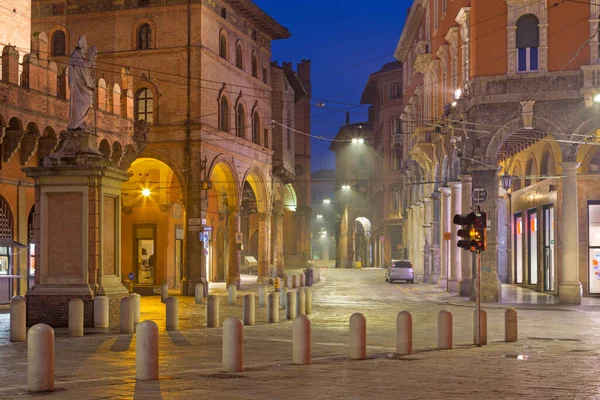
(569, 293)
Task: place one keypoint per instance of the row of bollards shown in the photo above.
(292, 282)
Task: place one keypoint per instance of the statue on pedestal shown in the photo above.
(81, 84)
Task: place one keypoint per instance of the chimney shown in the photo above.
(347, 117)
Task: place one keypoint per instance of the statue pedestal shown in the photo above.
(77, 232)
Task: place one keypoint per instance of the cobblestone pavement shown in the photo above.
(556, 356)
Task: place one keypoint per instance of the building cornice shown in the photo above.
(410, 29)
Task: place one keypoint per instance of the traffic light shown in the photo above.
(467, 231)
(480, 231)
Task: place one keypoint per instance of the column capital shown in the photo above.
(570, 166)
(465, 178)
(445, 191)
(427, 200)
(263, 216)
(455, 185)
(233, 209)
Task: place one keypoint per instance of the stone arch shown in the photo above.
(257, 182)
(65, 31)
(223, 175)
(531, 170)
(164, 158)
(2, 122)
(117, 152)
(517, 176)
(547, 162)
(223, 44)
(104, 148)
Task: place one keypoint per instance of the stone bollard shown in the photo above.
(127, 325)
(233, 345)
(445, 330)
(135, 298)
(286, 282)
(263, 293)
(40, 358)
(146, 351)
(283, 297)
(231, 294)
(510, 325)
(273, 308)
(294, 282)
(290, 305)
(482, 327)
(75, 317)
(199, 292)
(18, 319)
(301, 302)
(212, 311)
(249, 309)
(404, 333)
(301, 280)
(308, 293)
(164, 292)
(301, 340)
(173, 314)
(358, 336)
(101, 308)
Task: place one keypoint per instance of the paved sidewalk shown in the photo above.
(555, 358)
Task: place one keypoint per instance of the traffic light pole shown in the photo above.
(478, 302)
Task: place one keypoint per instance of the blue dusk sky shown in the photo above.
(345, 41)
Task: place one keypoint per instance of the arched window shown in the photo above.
(528, 39)
(517, 180)
(397, 199)
(595, 164)
(144, 105)
(144, 37)
(6, 232)
(241, 122)
(530, 171)
(547, 167)
(59, 43)
(224, 114)
(223, 46)
(239, 59)
(254, 66)
(256, 128)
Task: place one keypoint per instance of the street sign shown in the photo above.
(194, 221)
(238, 237)
(131, 276)
(382, 238)
(447, 235)
(479, 195)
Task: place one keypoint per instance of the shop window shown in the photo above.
(594, 247)
(223, 45)
(528, 37)
(224, 114)
(144, 37)
(59, 43)
(144, 105)
(6, 232)
(145, 253)
(241, 122)
(518, 226)
(532, 233)
(31, 247)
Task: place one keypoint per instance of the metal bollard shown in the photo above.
(263, 293)
(301, 280)
(358, 336)
(199, 292)
(212, 311)
(283, 297)
(40, 358)
(404, 333)
(308, 293)
(135, 298)
(233, 345)
(510, 325)
(75, 317)
(273, 309)
(290, 305)
(277, 285)
(127, 325)
(294, 281)
(146, 351)
(301, 340)
(301, 302)
(18, 319)
(173, 314)
(164, 292)
(482, 327)
(445, 330)
(231, 294)
(101, 308)
(249, 309)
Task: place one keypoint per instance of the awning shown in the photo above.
(11, 243)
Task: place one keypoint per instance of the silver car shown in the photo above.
(400, 270)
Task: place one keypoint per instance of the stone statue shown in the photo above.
(81, 84)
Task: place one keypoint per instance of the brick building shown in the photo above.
(217, 180)
(503, 89)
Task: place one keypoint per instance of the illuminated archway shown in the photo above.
(362, 241)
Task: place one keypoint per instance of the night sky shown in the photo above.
(337, 35)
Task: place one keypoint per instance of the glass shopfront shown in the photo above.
(518, 248)
(594, 247)
(533, 247)
(549, 248)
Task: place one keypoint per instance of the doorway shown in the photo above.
(518, 224)
(145, 253)
(220, 276)
(549, 248)
(178, 254)
(532, 265)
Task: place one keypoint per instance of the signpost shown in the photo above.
(131, 276)
(447, 235)
(238, 237)
(479, 195)
(382, 238)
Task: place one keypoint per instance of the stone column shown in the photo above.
(455, 252)
(420, 236)
(408, 234)
(466, 281)
(569, 287)
(435, 238)
(263, 246)
(278, 251)
(427, 238)
(20, 259)
(445, 222)
(491, 289)
(233, 275)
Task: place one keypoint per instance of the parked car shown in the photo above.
(400, 270)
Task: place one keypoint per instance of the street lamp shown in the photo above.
(457, 94)
(346, 187)
(146, 192)
(597, 98)
(506, 180)
(319, 216)
(326, 201)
